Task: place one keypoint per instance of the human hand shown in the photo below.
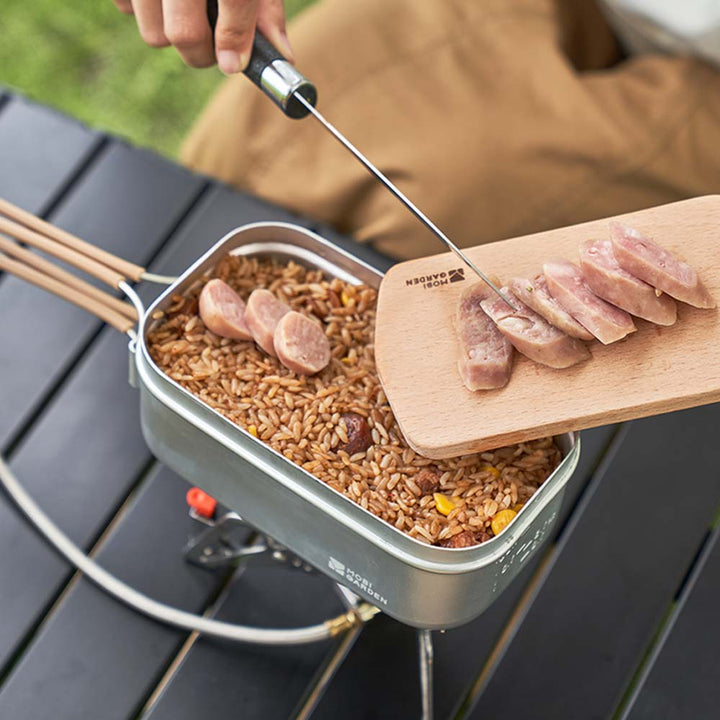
(184, 25)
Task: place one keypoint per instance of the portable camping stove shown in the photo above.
(228, 541)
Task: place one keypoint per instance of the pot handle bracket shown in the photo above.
(134, 298)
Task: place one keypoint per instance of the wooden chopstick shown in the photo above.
(97, 308)
(123, 267)
(52, 247)
(45, 266)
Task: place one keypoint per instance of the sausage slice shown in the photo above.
(223, 311)
(608, 280)
(567, 285)
(486, 356)
(532, 335)
(262, 314)
(657, 266)
(300, 344)
(535, 294)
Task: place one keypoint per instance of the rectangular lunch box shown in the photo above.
(418, 584)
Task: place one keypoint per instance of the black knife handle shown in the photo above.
(273, 74)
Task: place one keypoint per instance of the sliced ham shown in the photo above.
(223, 311)
(535, 294)
(605, 321)
(301, 344)
(648, 261)
(485, 360)
(532, 335)
(608, 280)
(262, 314)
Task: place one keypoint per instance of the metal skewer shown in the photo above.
(424, 219)
(296, 96)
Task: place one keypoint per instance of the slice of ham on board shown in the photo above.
(605, 321)
(223, 311)
(608, 280)
(532, 335)
(262, 314)
(535, 294)
(486, 356)
(645, 259)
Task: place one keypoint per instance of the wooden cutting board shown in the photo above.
(652, 371)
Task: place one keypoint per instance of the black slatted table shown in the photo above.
(613, 618)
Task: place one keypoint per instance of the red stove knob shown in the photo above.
(203, 504)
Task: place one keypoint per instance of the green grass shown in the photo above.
(87, 60)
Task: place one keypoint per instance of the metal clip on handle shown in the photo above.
(273, 74)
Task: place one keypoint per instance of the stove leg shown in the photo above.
(426, 673)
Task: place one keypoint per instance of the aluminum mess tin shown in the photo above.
(421, 585)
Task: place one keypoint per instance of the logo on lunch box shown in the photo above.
(356, 579)
(432, 280)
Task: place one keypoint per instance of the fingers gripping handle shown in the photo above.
(273, 74)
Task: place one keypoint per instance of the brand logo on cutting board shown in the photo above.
(356, 579)
(433, 280)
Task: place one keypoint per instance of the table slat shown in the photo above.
(613, 575)
(40, 151)
(680, 681)
(96, 658)
(220, 210)
(79, 461)
(231, 680)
